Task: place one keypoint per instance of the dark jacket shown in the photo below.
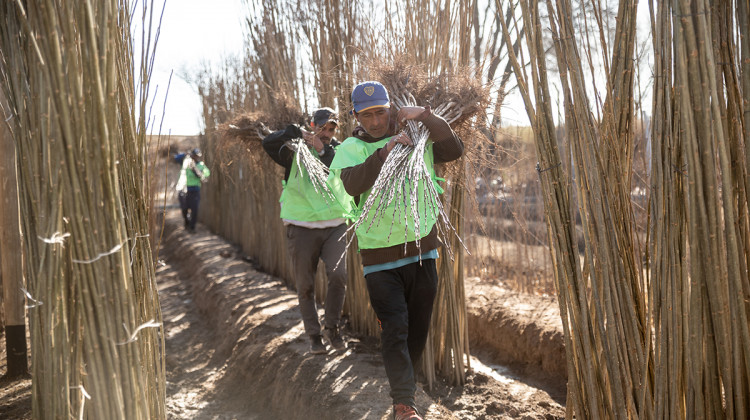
(275, 145)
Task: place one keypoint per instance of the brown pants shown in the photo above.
(306, 247)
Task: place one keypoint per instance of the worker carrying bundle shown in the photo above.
(398, 241)
(314, 208)
(193, 173)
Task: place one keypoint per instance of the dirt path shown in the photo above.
(15, 395)
(256, 358)
(193, 371)
(520, 331)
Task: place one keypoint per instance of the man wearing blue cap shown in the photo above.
(193, 173)
(401, 276)
(315, 225)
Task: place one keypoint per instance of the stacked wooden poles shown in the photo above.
(601, 303)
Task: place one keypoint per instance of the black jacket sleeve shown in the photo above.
(275, 145)
(329, 152)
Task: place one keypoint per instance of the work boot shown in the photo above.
(334, 338)
(405, 412)
(316, 345)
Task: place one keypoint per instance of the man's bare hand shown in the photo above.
(402, 138)
(409, 113)
(312, 140)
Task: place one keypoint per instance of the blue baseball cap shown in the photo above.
(368, 95)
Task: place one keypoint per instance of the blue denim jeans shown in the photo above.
(402, 299)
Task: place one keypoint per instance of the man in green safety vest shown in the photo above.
(192, 174)
(315, 225)
(401, 275)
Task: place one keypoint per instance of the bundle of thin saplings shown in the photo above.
(78, 113)
(404, 176)
(247, 128)
(317, 170)
(251, 128)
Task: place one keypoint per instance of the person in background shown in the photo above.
(192, 174)
(401, 279)
(314, 226)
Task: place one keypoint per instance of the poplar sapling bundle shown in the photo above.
(249, 129)
(244, 129)
(240, 140)
(306, 162)
(405, 177)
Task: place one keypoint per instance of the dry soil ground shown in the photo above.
(235, 349)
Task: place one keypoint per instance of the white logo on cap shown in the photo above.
(369, 90)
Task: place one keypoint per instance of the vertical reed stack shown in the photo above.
(654, 330)
(67, 71)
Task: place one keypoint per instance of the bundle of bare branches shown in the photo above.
(455, 88)
(307, 163)
(240, 139)
(247, 128)
(77, 110)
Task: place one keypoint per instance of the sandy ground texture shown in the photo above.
(255, 354)
(521, 332)
(15, 395)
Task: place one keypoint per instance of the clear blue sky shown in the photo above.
(193, 32)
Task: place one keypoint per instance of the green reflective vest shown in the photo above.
(191, 178)
(396, 224)
(300, 201)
